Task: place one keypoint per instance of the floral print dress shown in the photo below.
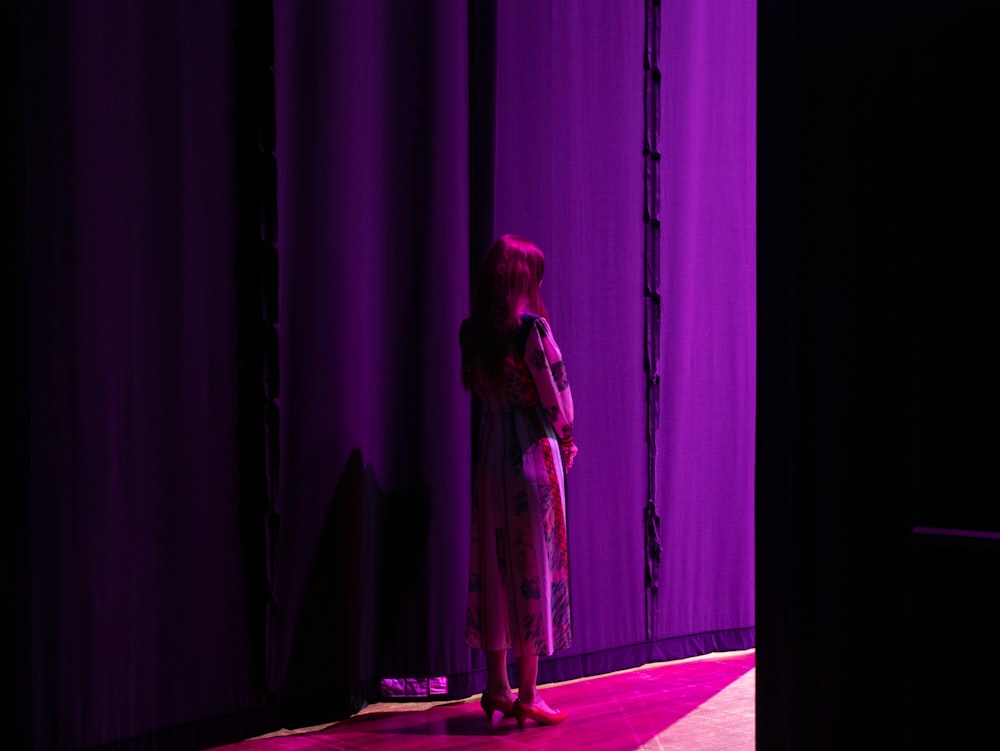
(519, 565)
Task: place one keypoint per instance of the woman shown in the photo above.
(518, 583)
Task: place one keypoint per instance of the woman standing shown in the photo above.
(519, 577)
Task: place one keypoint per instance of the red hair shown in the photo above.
(506, 287)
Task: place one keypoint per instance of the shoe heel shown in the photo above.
(519, 714)
(493, 706)
(488, 707)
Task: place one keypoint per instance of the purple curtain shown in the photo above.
(137, 614)
(375, 257)
(372, 103)
(705, 471)
(242, 514)
(569, 175)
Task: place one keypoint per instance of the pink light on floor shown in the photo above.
(704, 702)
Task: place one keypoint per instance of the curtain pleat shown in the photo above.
(373, 149)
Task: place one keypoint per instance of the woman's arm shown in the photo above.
(547, 368)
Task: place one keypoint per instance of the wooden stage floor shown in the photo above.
(704, 703)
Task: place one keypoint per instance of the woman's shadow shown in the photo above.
(363, 611)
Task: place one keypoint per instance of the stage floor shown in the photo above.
(704, 703)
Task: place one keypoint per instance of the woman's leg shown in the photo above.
(527, 675)
(529, 703)
(497, 682)
(527, 690)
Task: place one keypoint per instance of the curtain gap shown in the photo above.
(257, 308)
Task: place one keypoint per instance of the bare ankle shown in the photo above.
(499, 691)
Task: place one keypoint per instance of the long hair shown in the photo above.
(506, 286)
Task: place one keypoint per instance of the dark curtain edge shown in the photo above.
(257, 340)
(15, 592)
(482, 125)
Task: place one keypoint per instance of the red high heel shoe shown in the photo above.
(523, 712)
(491, 704)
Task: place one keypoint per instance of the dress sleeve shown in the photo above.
(545, 363)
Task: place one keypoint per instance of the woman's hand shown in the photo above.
(569, 452)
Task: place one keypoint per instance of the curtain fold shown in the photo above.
(373, 151)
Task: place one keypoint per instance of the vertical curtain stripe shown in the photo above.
(257, 290)
(651, 238)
